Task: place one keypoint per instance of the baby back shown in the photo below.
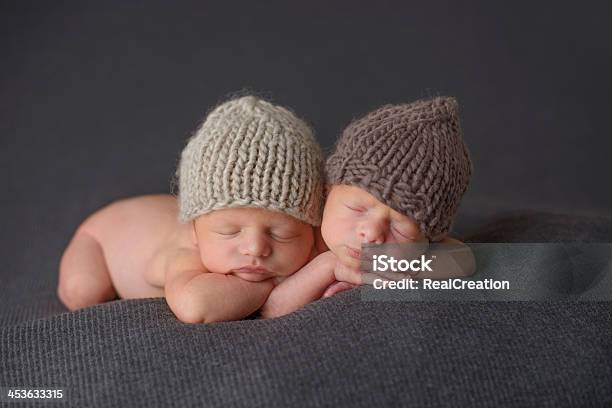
(131, 232)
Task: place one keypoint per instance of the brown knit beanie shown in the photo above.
(411, 157)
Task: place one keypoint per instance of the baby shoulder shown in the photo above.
(180, 259)
(449, 240)
(462, 255)
(168, 261)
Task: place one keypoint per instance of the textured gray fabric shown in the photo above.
(341, 351)
(337, 352)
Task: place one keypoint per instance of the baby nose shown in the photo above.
(371, 233)
(255, 245)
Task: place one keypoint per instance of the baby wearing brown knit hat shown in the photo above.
(397, 175)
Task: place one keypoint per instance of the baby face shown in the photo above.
(353, 216)
(252, 243)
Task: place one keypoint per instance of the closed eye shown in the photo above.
(356, 209)
(283, 237)
(227, 233)
(403, 234)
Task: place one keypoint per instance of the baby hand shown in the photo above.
(343, 273)
(346, 278)
(337, 287)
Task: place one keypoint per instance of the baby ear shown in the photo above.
(194, 236)
(326, 189)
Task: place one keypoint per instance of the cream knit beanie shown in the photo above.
(250, 153)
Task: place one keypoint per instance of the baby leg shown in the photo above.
(84, 279)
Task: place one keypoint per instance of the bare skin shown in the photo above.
(220, 267)
(353, 217)
(110, 253)
(135, 248)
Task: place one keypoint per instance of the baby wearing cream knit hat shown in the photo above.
(251, 184)
(251, 181)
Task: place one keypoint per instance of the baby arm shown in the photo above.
(198, 296)
(307, 285)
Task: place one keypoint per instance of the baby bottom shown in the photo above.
(84, 279)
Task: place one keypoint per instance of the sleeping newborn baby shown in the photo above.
(397, 175)
(250, 195)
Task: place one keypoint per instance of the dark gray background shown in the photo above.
(97, 99)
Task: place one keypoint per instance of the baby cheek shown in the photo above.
(293, 258)
(338, 231)
(327, 226)
(215, 256)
